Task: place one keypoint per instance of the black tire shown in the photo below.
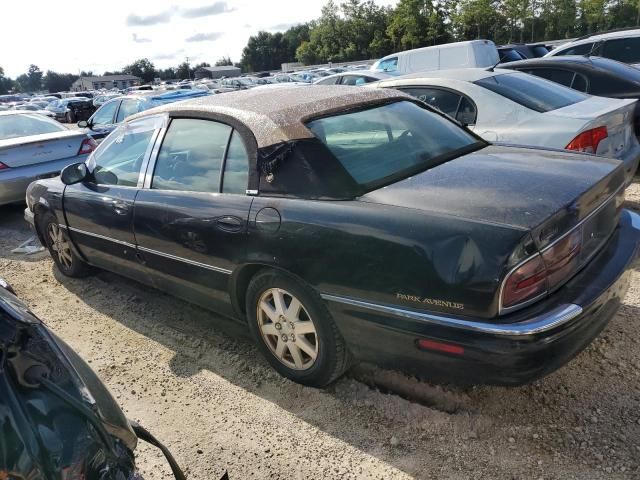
(69, 263)
(332, 357)
(70, 117)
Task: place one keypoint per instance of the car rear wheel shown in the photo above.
(294, 330)
(59, 246)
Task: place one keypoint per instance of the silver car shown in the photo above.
(33, 146)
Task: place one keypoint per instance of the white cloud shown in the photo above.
(104, 40)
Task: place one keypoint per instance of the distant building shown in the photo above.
(290, 67)
(107, 81)
(217, 72)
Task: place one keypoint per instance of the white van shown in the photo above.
(474, 53)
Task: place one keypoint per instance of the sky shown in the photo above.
(72, 35)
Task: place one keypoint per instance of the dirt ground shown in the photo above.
(197, 383)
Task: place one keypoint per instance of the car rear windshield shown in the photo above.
(626, 72)
(383, 144)
(532, 92)
(23, 125)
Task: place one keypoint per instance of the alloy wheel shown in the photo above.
(59, 245)
(287, 329)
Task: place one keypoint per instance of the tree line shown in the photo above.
(359, 30)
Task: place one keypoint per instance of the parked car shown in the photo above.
(72, 109)
(474, 53)
(513, 107)
(58, 419)
(357, 77)
(33, 108)
(114, 111)
(521, 51)
(33, 146)
(622, 45)
(102, 99)
(347, 222)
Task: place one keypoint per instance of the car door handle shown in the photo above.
(119, 207)
(229, 224)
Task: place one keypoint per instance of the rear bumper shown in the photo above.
(14, 181)
(533, 343)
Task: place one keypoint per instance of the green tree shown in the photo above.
(184, 71)
(58, 82)
(6, 84)
(417, 23)
(142, 68)
(224, 61)
(34, 79)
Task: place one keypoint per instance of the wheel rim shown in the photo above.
(287, 329)
(59, 245)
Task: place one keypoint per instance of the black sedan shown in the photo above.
(342, 223)
(57, 419)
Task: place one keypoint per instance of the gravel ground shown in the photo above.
(196, 382)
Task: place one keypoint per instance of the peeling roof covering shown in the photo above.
(278, 115)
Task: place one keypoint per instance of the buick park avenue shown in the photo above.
(343, 224)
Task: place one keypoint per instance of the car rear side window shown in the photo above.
(389, 65)
(236, 166)
(190, 158)
(386, 143)
(563, 77)
(453, 104)
(582, 49)
(357, 79)
(532, 92)
(22, 125)
(625, 50)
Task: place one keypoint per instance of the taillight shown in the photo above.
(562, 258)
(528, 281)
(543, 272)
(3, 166)
(88, 145)
(588, 141)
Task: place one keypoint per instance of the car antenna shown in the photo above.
(492, 67)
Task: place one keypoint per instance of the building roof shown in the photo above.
(110, 78)
(278, 115)
(220, 68)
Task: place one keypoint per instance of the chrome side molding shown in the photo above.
(538, 324)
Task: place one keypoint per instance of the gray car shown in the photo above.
(33, 146)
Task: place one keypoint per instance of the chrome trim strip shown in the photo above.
(512, 308)
(538, 324)
(101, 237)
(185, 260)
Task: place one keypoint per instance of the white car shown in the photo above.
(517, 108)
(622, 45)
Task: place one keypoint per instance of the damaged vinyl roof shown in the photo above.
(276, 115)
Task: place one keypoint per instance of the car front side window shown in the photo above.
(119, 158)
(190, 158)
(625, 50)
(104, 115)
(582, 49)
(127, 108)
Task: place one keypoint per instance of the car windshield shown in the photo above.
(386, 143)
(23, 125)
(532, 92)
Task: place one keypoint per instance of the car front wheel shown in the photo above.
(59, 246)
(294, 330)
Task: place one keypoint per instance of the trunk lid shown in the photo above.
(545, 192)
(46, 147)
(616, 115)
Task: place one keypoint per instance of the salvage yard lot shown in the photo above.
(197, 383)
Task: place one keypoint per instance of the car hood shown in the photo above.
(61, 432)
(518, 187)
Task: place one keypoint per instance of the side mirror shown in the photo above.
(83, 124)
(74, 173)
